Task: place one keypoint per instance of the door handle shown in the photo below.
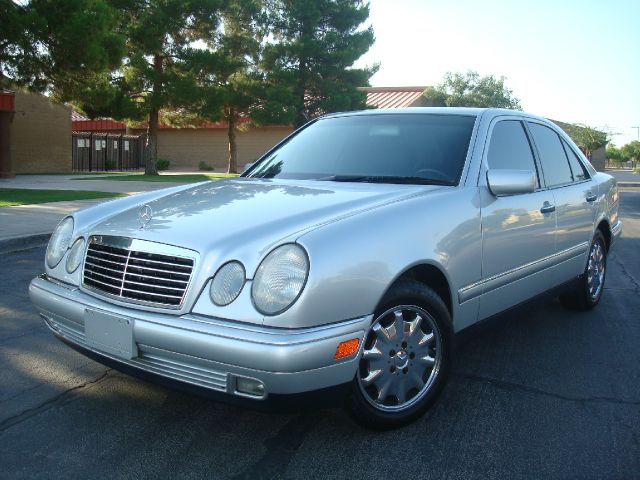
(591, 197)
(547, 208)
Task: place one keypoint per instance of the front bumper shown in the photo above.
(205, 352)
(616, 231)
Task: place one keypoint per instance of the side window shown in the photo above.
(578, 170)
(509, 147)
(552, 156)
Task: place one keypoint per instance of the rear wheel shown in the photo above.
(405, 359)
(589, 291)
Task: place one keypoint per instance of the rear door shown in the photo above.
(574, 199)
(518, 231)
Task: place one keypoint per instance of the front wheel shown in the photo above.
(405, 358)
(589, 290)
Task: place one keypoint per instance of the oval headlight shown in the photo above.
(75, 255)
(59, 242)
(279, 279)
(227, 283)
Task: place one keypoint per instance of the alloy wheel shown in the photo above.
(401, 358)
(596, 270)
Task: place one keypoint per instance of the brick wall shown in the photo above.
(40, 135)
(187, 147)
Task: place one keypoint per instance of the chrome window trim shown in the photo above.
(562, 185)
(498, 280)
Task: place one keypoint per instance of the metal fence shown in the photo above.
(106, 151)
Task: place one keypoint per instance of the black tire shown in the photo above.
(407, 296)
(582, 298)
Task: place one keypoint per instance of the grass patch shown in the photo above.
(79, 174)
(188, 178)
(10, 197)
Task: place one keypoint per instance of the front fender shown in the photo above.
(354, 261)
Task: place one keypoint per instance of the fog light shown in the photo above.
(347, 348)
(249, 386)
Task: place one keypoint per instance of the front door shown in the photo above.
(518, 231)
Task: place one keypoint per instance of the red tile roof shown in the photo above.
(392, 97)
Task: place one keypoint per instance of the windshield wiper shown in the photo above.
(388, 179)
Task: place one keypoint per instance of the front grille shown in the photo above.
(135, 275)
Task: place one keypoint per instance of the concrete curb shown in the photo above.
(25, 242)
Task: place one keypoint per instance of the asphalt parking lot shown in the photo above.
(538, 392)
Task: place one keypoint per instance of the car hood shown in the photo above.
(237, 212)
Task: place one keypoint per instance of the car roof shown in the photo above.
(469, 111)
(421, 110)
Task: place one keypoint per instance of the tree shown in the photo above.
(631, 151)
(587, 138)
(471, 90)
(55, 46)
(228, 79)
(309, 64)
(157, 73)
(614, 154)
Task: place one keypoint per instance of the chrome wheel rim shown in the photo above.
(596, 270)
(401, 358)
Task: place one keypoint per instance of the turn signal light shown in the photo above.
(347, 348)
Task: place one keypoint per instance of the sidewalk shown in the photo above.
(29, 226)
(72, 182)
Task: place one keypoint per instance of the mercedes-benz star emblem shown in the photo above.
(145, 215)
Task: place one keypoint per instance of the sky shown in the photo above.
(568, 60)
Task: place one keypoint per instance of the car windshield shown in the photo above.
(380, 148)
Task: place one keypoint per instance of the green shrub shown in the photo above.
(110, 165)
(204, 166)
(162, 164)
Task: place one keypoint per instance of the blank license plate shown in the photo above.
(110, 333)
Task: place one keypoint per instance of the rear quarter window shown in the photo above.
(577, 168)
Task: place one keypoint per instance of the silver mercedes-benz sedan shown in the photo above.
(340, 265)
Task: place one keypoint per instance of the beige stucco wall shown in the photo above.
(40, 135)
(187, 147)
(599, 158)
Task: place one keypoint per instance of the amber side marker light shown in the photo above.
(347, 348)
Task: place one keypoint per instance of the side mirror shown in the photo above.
(511, 182)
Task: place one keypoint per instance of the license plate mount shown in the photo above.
(109, 333)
